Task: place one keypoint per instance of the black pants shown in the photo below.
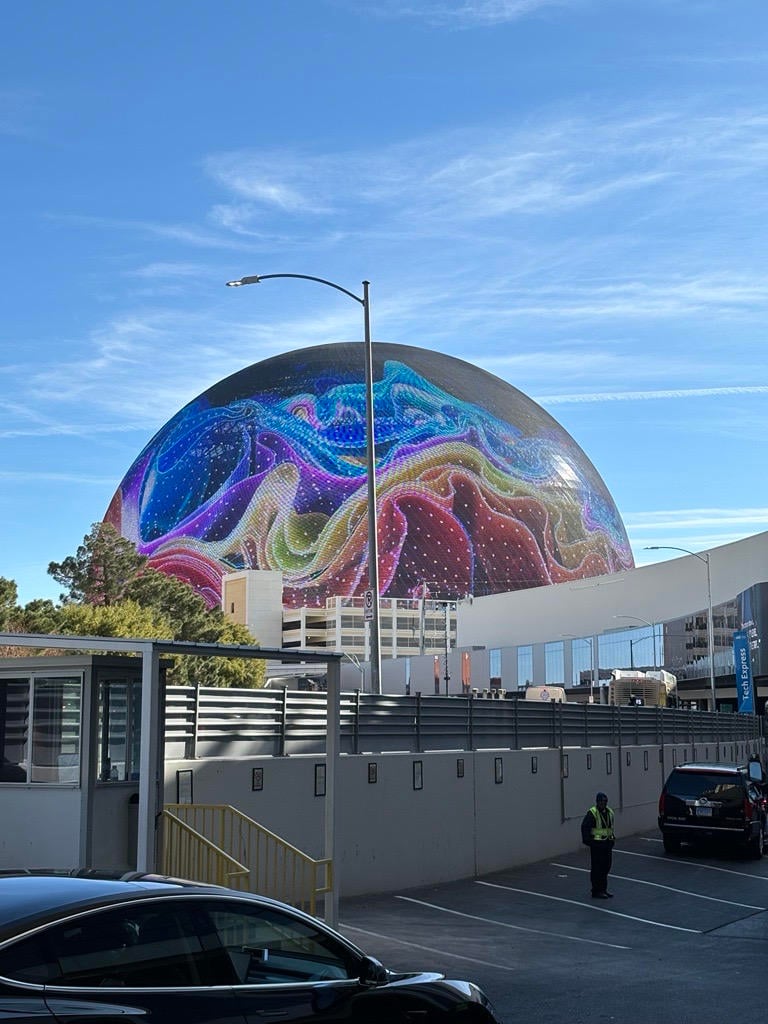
(602, 855)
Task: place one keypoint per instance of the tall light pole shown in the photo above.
(373, 543)
(710, 624)
(587, 640)
(653, 635)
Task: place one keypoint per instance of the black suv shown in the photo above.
(710, 803)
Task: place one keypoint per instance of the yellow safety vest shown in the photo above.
(601, 831)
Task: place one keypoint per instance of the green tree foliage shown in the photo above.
(124, 619)
(9, 594)
(189, 615)
(101, 569)
(249, 673)
(38, 616)
(110, 591)
(191, 619)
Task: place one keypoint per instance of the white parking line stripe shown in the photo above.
(429, 949)
(515, 927)
(693, 864)
(601, 910)
(670, 888)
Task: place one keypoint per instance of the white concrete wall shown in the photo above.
(392, 836)
(113, 835)
(656, 593)
(40, 827)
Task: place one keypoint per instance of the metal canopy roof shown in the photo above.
(191, 647)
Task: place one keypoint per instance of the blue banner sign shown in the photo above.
(743, 665)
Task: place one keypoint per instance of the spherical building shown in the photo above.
(479, 490)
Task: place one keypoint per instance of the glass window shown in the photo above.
(119, 730)
(698, 785)
(553, 661)
(141, 946)
(494, 663)
(524, 666)
(14, 729)
(56, 730)
(267, 947)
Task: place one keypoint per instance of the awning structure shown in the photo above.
(151, 752)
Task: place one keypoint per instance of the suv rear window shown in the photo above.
(712, 786)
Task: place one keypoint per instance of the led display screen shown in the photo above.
(480, 491)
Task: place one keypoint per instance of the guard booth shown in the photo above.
(70, 741)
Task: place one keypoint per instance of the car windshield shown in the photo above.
(706, 785)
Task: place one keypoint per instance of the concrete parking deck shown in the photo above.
(684, 940)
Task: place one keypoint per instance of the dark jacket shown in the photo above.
(588, 823)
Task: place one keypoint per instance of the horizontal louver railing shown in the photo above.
(214, 722)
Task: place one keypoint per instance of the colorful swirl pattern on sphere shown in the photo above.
(480, 491)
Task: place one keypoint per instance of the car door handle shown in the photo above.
(271, 1013)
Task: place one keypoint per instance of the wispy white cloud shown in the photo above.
(686, 518)
(467, 13)
(190, 235)
(262, 180)
(676, 394)
(44, 476)
(161, 270)
(481, 176)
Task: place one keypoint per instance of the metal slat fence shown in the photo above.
(214, 722)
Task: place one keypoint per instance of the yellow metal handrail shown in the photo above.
(273, 867)
(188, 854)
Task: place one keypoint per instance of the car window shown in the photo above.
(698, 785)
(270, 947)
(142, 945)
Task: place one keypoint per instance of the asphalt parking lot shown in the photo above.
(685, 939)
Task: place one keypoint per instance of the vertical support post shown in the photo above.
(418, 722)
(332, 748)
(356, 735)
(470, 721)
(373, 542)
(151, 761)
(282, 744)
(447, 675)
(195, 722)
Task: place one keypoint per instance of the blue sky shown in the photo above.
(571, 194)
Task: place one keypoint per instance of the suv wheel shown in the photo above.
(757, 845)
(673, 845)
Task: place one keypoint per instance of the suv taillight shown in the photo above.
(748, 808)
(661, 802)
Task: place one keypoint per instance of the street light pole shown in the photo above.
(710, 622)
(594, 668)
(373, 543)
(653, 635)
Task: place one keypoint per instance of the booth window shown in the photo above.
(119, 730)
(49, 751)
(56, 730)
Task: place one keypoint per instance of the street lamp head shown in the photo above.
(253, 279)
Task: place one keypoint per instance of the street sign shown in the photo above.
(368, 605)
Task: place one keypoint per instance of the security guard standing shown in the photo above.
(597, 833)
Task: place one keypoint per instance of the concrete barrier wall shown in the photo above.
(477, 811)
(41, 827)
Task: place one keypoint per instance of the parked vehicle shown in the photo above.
(153, 949)
(712, 803)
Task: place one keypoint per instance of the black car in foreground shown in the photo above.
(84, 950)
(713, 803)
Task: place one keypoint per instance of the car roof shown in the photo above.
(42, 894)
(704, 766)
(36, 895)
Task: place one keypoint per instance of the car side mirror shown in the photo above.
(756, 772)
(372, 972)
